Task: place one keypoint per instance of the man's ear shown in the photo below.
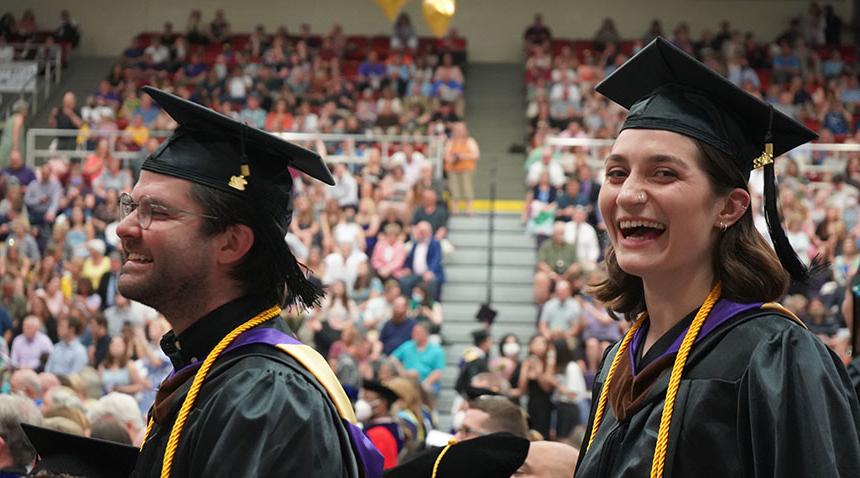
(235, 242)
(736, 204)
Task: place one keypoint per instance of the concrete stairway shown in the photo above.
(466, 270)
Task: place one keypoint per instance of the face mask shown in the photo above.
(417, 297)
(511, 349)
(363, 411)
(457, 419)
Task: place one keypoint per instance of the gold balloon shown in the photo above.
(438, 14)
(391, 7)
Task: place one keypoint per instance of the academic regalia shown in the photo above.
(384, 432)
(259, 412)
(64, 454)
(736, 412)
(758, 395)
(497, 455)
(268, 405)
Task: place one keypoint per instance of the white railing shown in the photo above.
(835, 155)
(42, 136)
(49, 70)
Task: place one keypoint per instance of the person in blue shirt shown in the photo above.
(398, 329)
(421, 358)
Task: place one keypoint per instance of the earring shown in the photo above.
(723, 226)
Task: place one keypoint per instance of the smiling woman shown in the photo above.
(712, 379)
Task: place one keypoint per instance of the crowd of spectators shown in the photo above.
(376, 240)
(34, 42)
(805, 72)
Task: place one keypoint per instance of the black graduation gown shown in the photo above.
(760, 397)
(258, 414)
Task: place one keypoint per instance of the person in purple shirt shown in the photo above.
(18, 170)
(398, 329)
(371, 69)
(29, 347)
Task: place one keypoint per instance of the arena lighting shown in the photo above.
(438, 14)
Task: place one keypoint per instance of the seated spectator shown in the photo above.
(404, 35)
(68, 355)
(583, 237)
(446, 88)
(397, 329)
(118, 372)
(121, 409)
(378, 309)
(421, 359)
(125, 312)
(429, 181)
(23, 241)
(136, 134)
(785, 65)
(25, 382)
(569, 200)
(348, 231)
(345, 190)
(835, 118)
(561, 316)
(371, 71)
(31, 347)
(424, 262)
(412, 162)
(342, 264)
(97, 264)
(193, 71)
(16, 449)
(556, 261)
(426, 311)
(540, 208)
(279, 119)
(303, 225)
(396, 192)
(148, 110)
(253, 114)
(98, 350)
(430, 211)
(389, 253)
(18, 170)
(492, 414)
(337, 313)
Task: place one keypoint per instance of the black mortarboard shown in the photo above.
(666, 89)
(80, 456)
(497, 455)
(213, 150)
(210, 149)
(386, 393)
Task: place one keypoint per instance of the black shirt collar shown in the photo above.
(195, 342)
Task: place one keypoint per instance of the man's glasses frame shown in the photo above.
(147, 207)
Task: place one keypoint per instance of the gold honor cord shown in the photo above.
(182, 416)
(451, 442)
(662, 445)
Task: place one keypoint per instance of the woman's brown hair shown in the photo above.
(743, 261)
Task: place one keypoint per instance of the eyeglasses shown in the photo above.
(147, 209)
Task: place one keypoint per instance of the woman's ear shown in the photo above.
(236, 242)
(735, 205)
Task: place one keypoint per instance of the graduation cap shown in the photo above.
(666, 89)
(497, 455)
(74, 455)
(386, 393)
(213, 150)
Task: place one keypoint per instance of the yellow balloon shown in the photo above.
(438, 14)
(391, 7)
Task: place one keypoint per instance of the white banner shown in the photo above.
(17, 76)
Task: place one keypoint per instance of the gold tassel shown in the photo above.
(765, 158)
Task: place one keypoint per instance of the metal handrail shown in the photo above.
(36, 156)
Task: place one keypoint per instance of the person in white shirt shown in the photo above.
(158, 53)
(583, 237)
(345, 189)
(411, 161)
(342, 264)
(349, 231)
(549, 164)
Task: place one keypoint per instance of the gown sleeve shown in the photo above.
(266, 422)
(798, 414)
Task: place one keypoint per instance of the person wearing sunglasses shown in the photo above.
(202, 235)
